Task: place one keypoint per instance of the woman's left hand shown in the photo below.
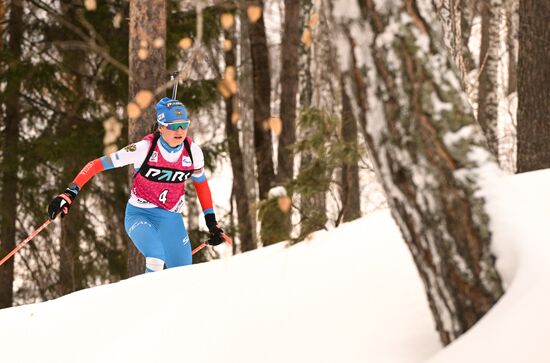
(216, 236)
(216, 233)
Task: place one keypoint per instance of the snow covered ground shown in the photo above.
(348, 295)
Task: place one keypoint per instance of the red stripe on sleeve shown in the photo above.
(204, 194)
(88, 171)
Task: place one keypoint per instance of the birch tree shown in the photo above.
(489, 57)
(429, 154)
(512, 25)
(457, 17)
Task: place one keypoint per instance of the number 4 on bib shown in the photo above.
(162, 196)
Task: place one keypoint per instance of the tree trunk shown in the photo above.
(305, 80)
(236, 156)
(271, 218)
(289, 89)
(69, 263)
(487, 109)
(422, 144)
(357, 87)
(467, 12)
(10, 154)
(246, 117)
(312, 205)
(70, 271)
(457, 18)
(262, 90)
(351, 194)
(280, 220)
(512, 24)
(147, 23)
(1, 23)
(533, 128)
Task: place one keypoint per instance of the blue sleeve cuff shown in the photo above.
(199, 179)
(74, 188)
(107, 162)
(208, 211)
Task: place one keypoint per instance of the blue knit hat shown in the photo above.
(170, 110)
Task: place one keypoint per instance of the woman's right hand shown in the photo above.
(62, 203)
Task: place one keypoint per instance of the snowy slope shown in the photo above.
(349, 295)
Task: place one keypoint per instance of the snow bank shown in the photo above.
(349, 295)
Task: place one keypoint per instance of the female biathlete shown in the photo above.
(163, 162)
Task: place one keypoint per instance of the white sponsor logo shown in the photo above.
(86, 168)
(139, 223)
(173, 103)
(186, 161)
(171, 176)
(154, 157)
(160, 116)
(179, 206)
(186, 240)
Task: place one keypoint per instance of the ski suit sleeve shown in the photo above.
(200, 182)
(131, 154)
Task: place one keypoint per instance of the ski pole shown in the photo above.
(198, 248)
(22, 244)
(203, 244)
(227, 239)
(173, 76)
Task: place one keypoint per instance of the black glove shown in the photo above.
(62, 203)
(215, 230)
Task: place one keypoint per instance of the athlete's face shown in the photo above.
(173, 138)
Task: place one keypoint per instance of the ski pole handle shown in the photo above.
(203, 244)
(22, 244)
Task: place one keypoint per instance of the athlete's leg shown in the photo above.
(175, 240)
(141, 226)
